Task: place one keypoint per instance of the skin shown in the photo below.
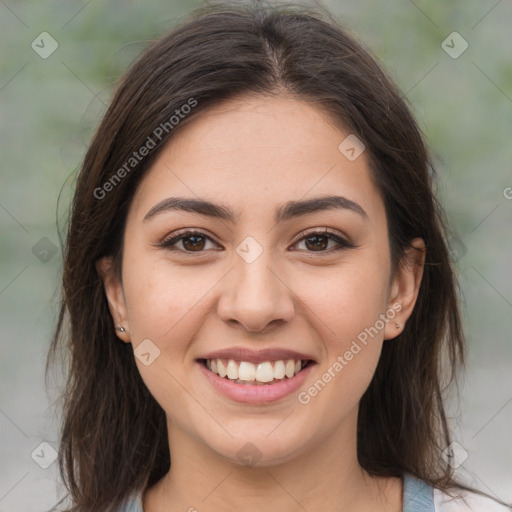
(253, 154)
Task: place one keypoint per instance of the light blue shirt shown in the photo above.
(418, 496)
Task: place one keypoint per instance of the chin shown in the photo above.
(258, 450)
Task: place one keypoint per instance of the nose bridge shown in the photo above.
(255, 295)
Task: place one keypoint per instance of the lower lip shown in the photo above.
(256, 394)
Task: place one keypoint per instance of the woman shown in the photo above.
(258, 284)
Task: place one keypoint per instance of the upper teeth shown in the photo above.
(249, 372)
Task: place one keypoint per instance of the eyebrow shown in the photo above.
(287, 211)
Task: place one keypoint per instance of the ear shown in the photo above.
(405, 287)
(115, 296)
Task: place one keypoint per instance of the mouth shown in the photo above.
(252, 377)
(264, 373)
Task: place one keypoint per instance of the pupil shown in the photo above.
(194, 244)
(315, 244)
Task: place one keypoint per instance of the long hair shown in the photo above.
(114, 438)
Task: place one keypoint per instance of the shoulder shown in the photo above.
(466, 501)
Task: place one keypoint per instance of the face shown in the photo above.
(293, 297)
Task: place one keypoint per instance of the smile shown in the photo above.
(263, 373)
(262, 380)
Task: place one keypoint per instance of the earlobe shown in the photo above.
(115, 297)
(405, 286)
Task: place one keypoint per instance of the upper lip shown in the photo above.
(257, 356)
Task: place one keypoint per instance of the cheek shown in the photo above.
(347, 309)
(167, 307)
(352, 337)
(164, 300)
(346, 299)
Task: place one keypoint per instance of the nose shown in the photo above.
(256, 295)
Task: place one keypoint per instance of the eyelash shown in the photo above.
(342, 242)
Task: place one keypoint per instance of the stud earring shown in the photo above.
(397, 325)
(120, 329)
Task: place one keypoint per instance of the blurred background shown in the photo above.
(59, 62)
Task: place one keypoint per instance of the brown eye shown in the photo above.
(318, 241)
(194, 243)
(188, 241)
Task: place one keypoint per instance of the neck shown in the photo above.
(326, 477)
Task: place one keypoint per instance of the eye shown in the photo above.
(318, 241)
(196, 241)
(191, 241)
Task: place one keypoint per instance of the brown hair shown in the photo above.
(114, 437)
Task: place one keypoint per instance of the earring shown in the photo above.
(397, 325)
(120, 329)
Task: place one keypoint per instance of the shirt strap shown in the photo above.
(418, 495)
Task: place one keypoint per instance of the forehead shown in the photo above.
(256, 151)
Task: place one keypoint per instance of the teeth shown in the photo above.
(279, 370)
(265, 372)
(290, 368)
(221, 369)
(244, 371)
(232, 370)
(247, 371)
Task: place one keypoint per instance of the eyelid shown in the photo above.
(186, 232)
(341, 240)
(170, 240)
